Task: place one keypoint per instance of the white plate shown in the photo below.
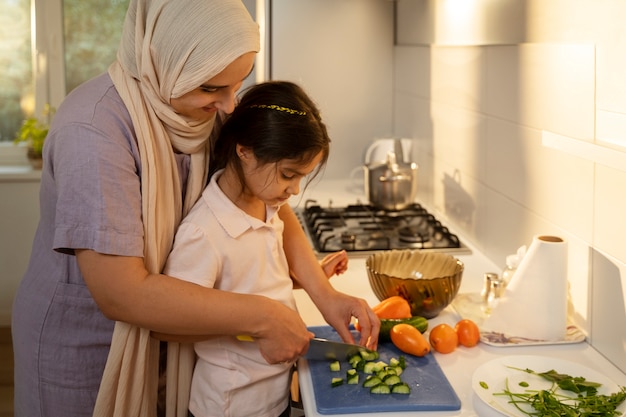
(496, 373)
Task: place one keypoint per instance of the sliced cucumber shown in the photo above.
(382, 377)
(401, 388)
(352, 377)
(379, 366)
(368, 368)
(397, 370)
(335, 382)
(369, 356)
(388, 370)
(357, 362)
(380, 389)
(371, 381)
(392, 380)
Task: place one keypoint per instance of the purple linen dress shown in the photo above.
(90, 198)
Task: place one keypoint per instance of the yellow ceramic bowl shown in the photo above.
(427, 280)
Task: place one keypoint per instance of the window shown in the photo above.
(47, 48)
(16, 80)
(92, 35)
(45, 55)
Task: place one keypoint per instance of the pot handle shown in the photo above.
(373, 148)
(357, 175)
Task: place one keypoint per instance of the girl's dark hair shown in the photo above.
(276, 120)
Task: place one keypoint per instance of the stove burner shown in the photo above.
(365, 228)
(411, 234)
(347, 237)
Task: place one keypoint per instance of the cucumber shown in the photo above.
(379, 366)
(352, 377)
(380, 389)
(381, 377)
(397, 370)
(371, 381)
(392, 380)
(368, 368)
(369, 356)
(357, 362)
(419, 322)
(390, 370)
(401, 388)
(335, 382)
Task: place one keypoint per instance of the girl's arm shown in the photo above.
(337, 308)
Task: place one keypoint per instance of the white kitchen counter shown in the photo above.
(459, 365)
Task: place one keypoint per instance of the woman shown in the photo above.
(125, 160)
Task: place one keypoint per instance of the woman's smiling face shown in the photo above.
(218, 93)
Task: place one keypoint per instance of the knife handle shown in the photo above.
(245, 338)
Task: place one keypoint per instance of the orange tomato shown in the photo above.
(394, 307)
(443, 338)
(409, 340)
(468, 333)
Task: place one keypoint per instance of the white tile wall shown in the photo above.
(608, 290)
(348, 73)
(478, 113)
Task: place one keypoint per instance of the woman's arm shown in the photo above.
(125, 291)
(337, 308)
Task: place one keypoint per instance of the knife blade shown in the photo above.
(324, 349)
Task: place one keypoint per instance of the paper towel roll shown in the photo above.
(534, 304)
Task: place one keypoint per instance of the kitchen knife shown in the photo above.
(324, 349)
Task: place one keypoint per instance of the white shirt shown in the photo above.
(218, 245)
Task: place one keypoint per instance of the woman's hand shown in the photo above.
(284, 338)
(335, 263)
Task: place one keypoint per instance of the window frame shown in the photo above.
(48, 53)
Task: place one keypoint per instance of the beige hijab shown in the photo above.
(168, 48)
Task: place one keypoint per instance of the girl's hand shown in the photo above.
(338, 310)
(335, 263)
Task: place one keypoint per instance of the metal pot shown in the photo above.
(391, 185)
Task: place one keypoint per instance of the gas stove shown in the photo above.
(361, 229)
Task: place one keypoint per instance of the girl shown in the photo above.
(232, 240)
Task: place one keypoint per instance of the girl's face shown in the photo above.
(275, 182)
(218, 93)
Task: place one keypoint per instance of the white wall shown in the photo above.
(341, 52)
(480, 105)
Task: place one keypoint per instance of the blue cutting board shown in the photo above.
(430, 389)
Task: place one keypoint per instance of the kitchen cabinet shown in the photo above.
(19, 215)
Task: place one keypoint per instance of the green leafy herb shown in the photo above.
(578, 385)
(578, 397)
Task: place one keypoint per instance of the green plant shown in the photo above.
(34, 131)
